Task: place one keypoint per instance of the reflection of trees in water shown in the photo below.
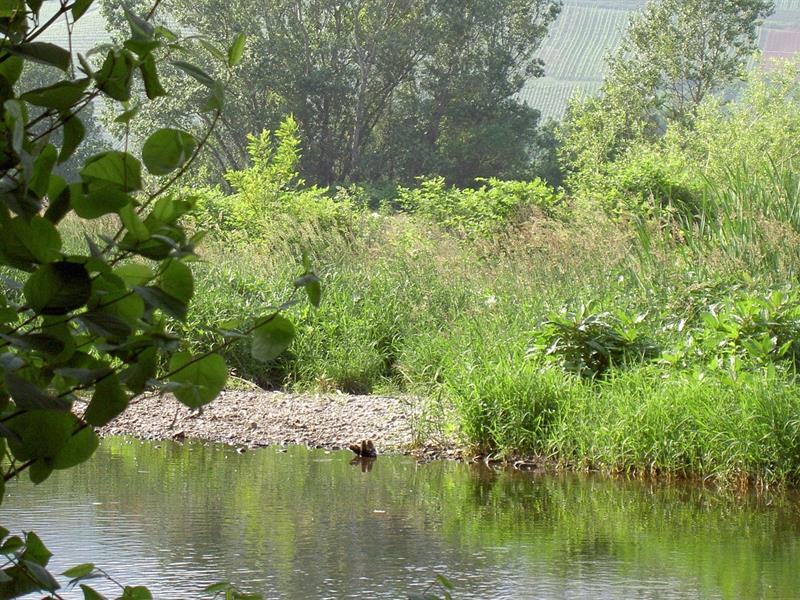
(304, 523)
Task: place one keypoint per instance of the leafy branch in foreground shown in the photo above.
(95, 325)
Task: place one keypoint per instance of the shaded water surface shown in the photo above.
(307, 524)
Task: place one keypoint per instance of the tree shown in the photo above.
(332, 65)
(366, 78)
(677, 52)
(83, 331)
(673, 56)
(465, 119)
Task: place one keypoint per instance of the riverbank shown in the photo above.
(256, 418)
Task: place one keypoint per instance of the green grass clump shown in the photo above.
(647, 422)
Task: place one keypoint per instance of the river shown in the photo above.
(305, 523)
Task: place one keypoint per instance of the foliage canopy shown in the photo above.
(379, 89)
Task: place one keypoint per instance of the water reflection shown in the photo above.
(310, 524)
(366, 463)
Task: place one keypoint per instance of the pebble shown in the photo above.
(248, 419)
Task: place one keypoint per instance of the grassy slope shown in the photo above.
(409, 308)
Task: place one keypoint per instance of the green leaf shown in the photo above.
(113, 168)
(42, 52)
(16, 119)
(444, 582)
(136, 593)
(167, 150)
(169, 210)
(212, 49)
(125, 117)
(28, 396)
(42, 433)
(134, 274)
(114, 77)
(158, 298)
(80, 7)
(34, 5)
(39, 237)
(126, 305)
(313, 288)
(60, 96)
(108, 402)
(37, 342)
(195, 72)
(39, 471)
(199, 382)
(314, 293)
(138, 374)
(82, 375)
(100, 202)
(79, 571)
(166, 33)
(41, 575)
(74, 132)
(42, 168)
(85, 67)
(215, 100)
(236, 51)
(141, 30)
(152, 85)
(272, 338)
(58, 194)
(79, 448)
(11, 545)
(11, 69)
(64, 333)
(177, 281)
(90, 594)
(130, 219)
(58, 288)
(141, 48)
(105, 325)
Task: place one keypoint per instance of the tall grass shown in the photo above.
(480, 329)
(665, 341)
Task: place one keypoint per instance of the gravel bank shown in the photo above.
(258, 418)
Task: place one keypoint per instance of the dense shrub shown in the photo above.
(269, 195)
(482, 211)
(590, 343)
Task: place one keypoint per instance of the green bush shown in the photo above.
(751, 329)
(87, 327)
(269, 195)
(646, 180)
(590, 343)
(483, 211)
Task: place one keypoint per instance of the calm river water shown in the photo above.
(307, 524)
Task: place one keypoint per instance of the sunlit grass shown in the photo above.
(487, 332)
